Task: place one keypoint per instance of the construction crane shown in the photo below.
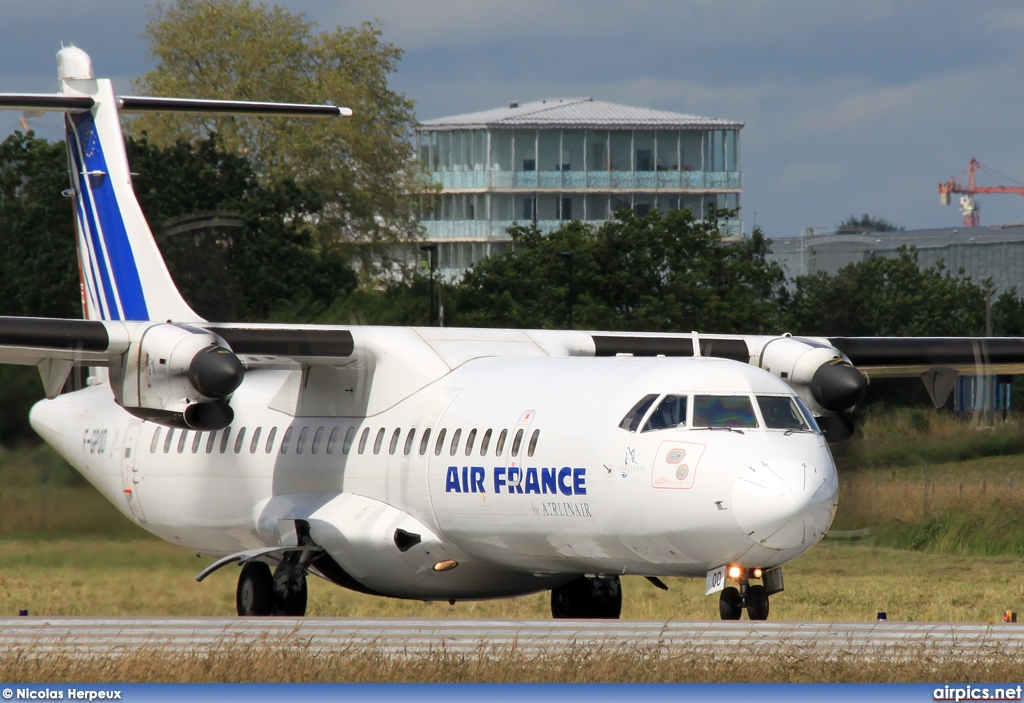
(968, 203)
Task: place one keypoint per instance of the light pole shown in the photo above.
(567, 255)
(432, 248)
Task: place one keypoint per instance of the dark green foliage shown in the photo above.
(38, 267)
(888, 297)
(868, 223)
(662, 272)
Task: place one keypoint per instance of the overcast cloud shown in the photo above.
(849, 107)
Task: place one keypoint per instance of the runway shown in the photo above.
(115, 636)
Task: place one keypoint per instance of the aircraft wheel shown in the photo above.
(730, 606)
(597, 597)
(255, 592)
(757, 603)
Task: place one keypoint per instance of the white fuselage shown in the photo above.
(557, 489)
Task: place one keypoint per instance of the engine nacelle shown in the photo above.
(816, 370)
(178, 376)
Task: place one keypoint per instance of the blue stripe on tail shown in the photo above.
(109, 251)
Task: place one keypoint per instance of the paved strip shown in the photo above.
(115, 636)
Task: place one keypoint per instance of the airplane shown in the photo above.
(433, 463)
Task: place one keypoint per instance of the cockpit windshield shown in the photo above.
(632, 419)
(781, 413)
(723, 411)
(671, 412)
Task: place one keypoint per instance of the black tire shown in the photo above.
(588, 597)
(757, 603)
(730, 607)
(255, 593)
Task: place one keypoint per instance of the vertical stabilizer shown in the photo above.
(124, 277)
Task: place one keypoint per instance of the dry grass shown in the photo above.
(574, 665)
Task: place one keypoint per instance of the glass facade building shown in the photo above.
(551, 161)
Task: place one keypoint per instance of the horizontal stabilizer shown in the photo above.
(43, 101)
(132, 103)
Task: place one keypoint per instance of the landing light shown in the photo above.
(757, 573)
(735, 572)
(446, 565)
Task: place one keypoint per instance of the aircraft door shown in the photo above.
(514, 452)
(130, 479)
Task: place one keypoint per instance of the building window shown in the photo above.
(530, 209)
(566, 209)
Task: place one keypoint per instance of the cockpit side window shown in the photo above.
(723, 411)
(808, 415)
(780, 413)
(632, 419)
(671, 412)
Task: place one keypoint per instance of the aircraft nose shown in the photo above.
(784, 504)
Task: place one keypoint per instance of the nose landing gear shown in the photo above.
(733, 601)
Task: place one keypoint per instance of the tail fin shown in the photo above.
(124, 277)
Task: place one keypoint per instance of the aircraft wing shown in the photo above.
(894, 357)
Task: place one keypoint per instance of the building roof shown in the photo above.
(889, 241)
(574, 113)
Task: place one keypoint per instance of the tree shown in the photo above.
(236, 49)
(888, 297)
(868, 223)
(662, 272)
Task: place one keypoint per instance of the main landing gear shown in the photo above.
(598, 597)
(281, 593)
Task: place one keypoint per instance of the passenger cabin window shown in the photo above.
(456, 436)
(156, 441)
(517, 442)
(500, 446)
(780, 413)
(239, 440)
(362, 439)
(168, 441)
(425, 442)
(378, 441)
(196, 442)
(224, 440)
(440, 441)
(671, 412)
(181, 441)
(470, 441)
(350, 435)
(211, 443)
(533, 443)
(255, 443)
(409, 441)
(393, 447)
(332, 441)
(632, 419)
(300, 443)
(270, 440)
(317, 439)
(723, 411)
(485, 443)
(286, 440)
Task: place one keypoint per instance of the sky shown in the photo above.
(849, 107)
